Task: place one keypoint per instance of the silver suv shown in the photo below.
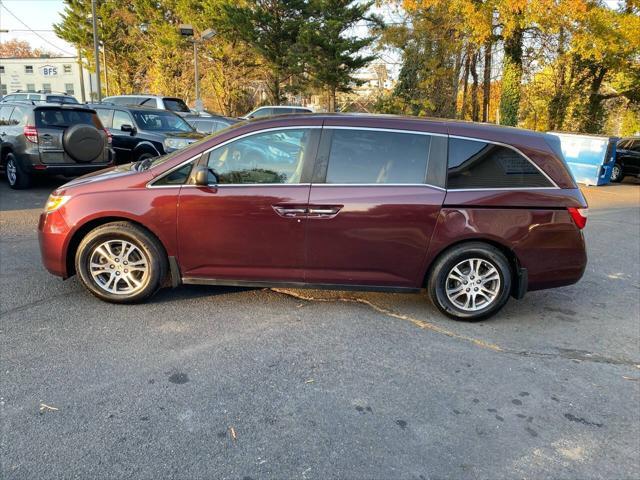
(174, 104)
(51, 139)
(40, 97)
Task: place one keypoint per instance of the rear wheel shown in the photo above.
(470, 282)
(16, 176)
(616, 173)
(120, 262)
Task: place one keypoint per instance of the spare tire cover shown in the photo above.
(83, 143)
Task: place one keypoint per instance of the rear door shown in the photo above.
(249, 223)
(51, 123)
(372, 210)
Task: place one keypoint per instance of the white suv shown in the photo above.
(269, 110)
(176, 105)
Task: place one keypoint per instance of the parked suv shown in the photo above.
(627, 159)
(173, 104)
(141, 133)
(474, 213)
(40, 97)
(50, 139)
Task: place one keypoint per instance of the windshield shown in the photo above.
(175, 105)
(160, 121)
(61, 99)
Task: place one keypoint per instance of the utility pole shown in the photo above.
(106, 72)
(198, 103)
(80, 66)
(96, 50)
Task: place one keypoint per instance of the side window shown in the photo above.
(121, 118)
(268, 157)
(5, 113)
(19, 116)
(177, 177)
(478, 164)
(635, 146)
(262, 112)
(368, 156)
(105, 116)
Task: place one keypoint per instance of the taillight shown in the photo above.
(109, 136)
(31, 133)
(579, 216)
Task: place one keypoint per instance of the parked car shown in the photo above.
(627, 159)
(141, 133)
(211, 123)
(40, 97)
(39, 139)
(474, 213)
(173, 104)
(270, 110)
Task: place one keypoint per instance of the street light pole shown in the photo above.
(96, 50)
(198, 103)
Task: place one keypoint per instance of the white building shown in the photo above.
(55, 74)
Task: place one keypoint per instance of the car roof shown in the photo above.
(298, 107)
(136, 107)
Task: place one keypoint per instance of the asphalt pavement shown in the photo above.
(230, 383)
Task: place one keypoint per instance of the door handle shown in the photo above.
(324, 211)
(290, 211)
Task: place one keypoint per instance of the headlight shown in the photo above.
(54, 202)
(176, 143)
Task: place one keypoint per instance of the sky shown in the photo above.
(38, 15)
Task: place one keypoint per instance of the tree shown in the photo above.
(271, 28)
(20, 48)
(330, 55)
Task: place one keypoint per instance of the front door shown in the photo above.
(123, 142)
(249, 223)
(371, 211)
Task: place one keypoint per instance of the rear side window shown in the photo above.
(477, 164)
(52, 118)
(105, 116)
(19, 116)
(5, 114)
(263, 112)
(366, 156)
(175, 105)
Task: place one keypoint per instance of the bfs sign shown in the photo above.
(49, 71)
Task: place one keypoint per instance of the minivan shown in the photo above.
(473, 213)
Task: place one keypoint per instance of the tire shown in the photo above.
(494, 290)
(617, 173)
(131, 278)
(83, 143)
(145, 156)
(17, 178)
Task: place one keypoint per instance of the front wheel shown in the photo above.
(616, 173)
(120, 262)
(470, 281)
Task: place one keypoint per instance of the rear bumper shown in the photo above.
(52, 236)
(32, 164)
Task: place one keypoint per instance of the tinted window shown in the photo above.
(269, 157)
(5, 113)
(262, 112)
(52, 118)
(19, 116)
(175, 105)
(476, 164)
(177, 177)
(161, 121)
(121, 118)
(105, 116)
(367, 156)
(635, 146)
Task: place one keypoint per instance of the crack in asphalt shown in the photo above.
(564, 353)
(35, 303)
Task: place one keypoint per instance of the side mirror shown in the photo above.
(127, 128)
(200, 176)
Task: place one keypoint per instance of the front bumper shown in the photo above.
(53, 233)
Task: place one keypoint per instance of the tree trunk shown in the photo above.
(331, 107)
(594, 117)
(465, 84)
(558, 105)
(475, 107)
(276, 87)
(511, 79)
(486, 85)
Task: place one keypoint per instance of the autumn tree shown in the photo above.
(20, 48)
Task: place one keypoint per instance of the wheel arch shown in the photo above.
(86, 227)
(145, 146)
(4, 151)
(512, 258)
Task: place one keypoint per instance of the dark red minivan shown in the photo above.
(475, 213)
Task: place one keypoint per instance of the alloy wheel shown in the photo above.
(473, 284)
(615, 173)
(12, 173)
(119, 267)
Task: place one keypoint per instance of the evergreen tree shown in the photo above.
(331, 56)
